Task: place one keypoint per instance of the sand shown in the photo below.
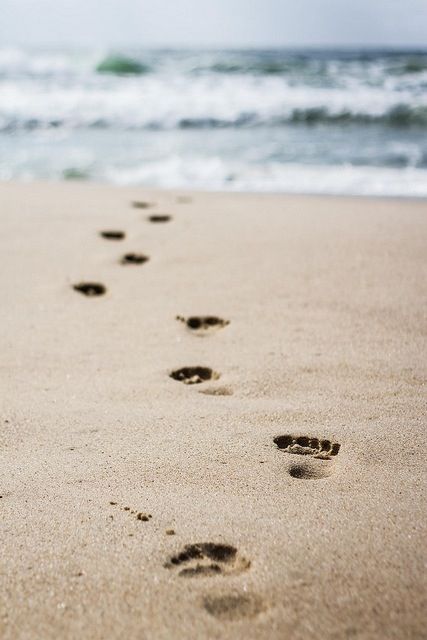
(137, 506)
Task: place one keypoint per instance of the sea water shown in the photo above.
(308, 121)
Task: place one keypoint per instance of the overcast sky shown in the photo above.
(213, 22)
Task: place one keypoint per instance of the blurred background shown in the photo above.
(326, 97)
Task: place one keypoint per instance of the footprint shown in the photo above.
(233, 606)
(202, 324)
(138, 204)
(194, 375)
(113, 235)
(160, 217)
(304, 445)
(320, 451)
(90, 289)
(208, 559)
(134, 258)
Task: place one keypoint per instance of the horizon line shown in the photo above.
(224, 47)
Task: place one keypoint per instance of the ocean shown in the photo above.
(288, 120)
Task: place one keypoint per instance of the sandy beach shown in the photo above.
(229, 441)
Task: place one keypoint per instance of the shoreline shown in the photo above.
(256, 472)
(182, 190)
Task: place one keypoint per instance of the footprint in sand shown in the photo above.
(134, 258)
(318, 454)
(202, 325)
(139, 204)
(112, 235)
(208, 559)
(233, 606)
(90, 289)
(160, 217)
(194, 375)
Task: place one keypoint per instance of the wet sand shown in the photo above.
(220, 433)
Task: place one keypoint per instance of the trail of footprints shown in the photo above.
(315, 458)
(93, 289)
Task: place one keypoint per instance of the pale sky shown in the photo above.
(213, 22)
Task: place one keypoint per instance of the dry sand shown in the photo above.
(326, 303)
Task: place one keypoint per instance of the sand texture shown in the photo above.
(220, 433)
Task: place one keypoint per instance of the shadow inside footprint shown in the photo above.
(234, 606)
(310, 470)
(112, 235)
(207, 559)
(160, 217)
(139, 204)
(203, 323)
(317, 452)
(90, 289)
(134, 258)
(194, 375)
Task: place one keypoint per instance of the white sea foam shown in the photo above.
(197, 173)
(167, 102)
